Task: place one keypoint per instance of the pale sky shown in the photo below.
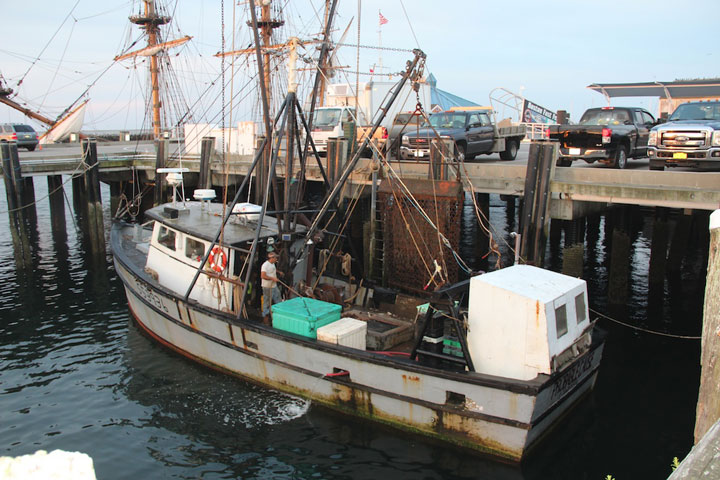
(548, 51)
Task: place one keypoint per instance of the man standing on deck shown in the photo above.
(271, 293)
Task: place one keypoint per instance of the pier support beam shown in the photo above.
(536, 201)
(482, 239)
(679, 243)
(93, 207)
(161, 160)
(12, 175)
(708, 407)
(207, 148)
(658, 247)
(14, 190)
(619, 255)
(56, 195)
(574, 248)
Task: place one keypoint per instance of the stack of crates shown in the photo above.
(451, 343)
(303, 316)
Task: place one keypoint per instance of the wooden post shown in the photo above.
(94, 203)
(260, 172)
(12, 175)
(574, 248)
(679, 243)
(14, 191)
(619, 254)
(331, 160)
(708, 406)
(658, 247)
(56, 194)
(536, 201)
(482, 239)
(161, 159)
(441, 153)
(207, 148)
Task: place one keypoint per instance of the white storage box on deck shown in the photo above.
(347, 332)
(249, 212)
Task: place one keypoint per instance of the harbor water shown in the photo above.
(76, 374)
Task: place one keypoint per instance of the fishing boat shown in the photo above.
(492, 363)
(531, 351)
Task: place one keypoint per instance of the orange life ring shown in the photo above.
(217, 260)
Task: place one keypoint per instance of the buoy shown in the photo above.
(217, 260)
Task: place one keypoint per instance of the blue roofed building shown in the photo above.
(442, 100)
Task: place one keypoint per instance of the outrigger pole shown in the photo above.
(291, 102)
(409, 72)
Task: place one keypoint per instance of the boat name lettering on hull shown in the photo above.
(571, 376)
(150, 296)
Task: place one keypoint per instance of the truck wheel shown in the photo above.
(511, 149)
(564, 162)
(620, 157)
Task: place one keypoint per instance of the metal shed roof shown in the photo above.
(676, 89)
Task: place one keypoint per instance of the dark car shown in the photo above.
(22, 134)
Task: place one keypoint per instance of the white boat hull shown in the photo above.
(500, 416)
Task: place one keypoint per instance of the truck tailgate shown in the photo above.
(576, 136)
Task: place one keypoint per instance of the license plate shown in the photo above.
(419, 153)
(574, 151)
(680, 155)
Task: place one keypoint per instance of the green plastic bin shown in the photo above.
(303, 316)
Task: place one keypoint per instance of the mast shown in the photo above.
(151, 21)
(41, 118)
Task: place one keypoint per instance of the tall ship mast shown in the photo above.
(151, 21)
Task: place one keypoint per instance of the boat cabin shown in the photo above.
(181, 237)
(524, 321)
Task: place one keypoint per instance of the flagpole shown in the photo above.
(380, 42)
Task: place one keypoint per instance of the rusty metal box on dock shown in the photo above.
(303, 316)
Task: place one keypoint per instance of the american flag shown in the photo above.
(383, 20)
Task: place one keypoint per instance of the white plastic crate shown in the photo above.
(348, 332)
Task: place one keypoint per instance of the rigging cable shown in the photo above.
(47, 44)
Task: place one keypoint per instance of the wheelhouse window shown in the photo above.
(166, 237)
(561, 320)
(194, 249)
(580, 308)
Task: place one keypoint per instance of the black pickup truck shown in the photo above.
(472, 131)
(608, 135)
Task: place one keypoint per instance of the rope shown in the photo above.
(653, 332)
(75, 174)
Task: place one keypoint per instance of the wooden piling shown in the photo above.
(161, 160)
(536, 201)
(12, 175)
(56, 195)
(482, 239)
(574, 248)
(207, 148)
(679, 243)
(261, 171)
(93, 207)
(440, 154)
(619, 253)
(658, 247)
(14, 190)
(708, 406)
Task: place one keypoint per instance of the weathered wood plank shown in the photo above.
(703, 461)
(708, 407)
